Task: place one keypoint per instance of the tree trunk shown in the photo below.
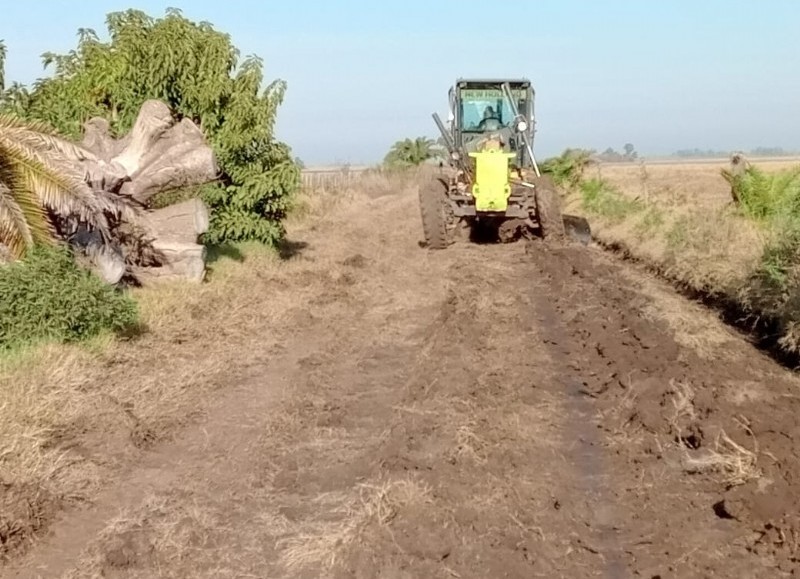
(184, 221)
(171, 235)
(179, 159)
(180, 260)
(158, 155)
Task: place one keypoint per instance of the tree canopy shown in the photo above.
(411, 152)
(197, 72)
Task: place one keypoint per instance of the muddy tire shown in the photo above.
(437, 219)
(548, 208)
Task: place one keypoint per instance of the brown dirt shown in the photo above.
(524, 410)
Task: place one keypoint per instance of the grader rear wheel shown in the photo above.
(548, 208)
(438, 220)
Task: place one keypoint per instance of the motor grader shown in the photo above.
(491, 179)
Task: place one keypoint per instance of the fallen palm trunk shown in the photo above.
(158, 155)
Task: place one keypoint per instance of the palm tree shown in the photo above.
(411, 152)
(40, 183)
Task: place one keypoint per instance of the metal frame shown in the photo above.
(454, 136)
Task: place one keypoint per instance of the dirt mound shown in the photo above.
(727, 420)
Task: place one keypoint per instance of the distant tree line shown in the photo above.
(629, 154)
(757, 152)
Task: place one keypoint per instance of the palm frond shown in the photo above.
(15, 234)
(43, 188)
(55, 182)
(40, 135)
(23, 221)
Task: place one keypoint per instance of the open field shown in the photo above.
(669, 181)
(360, 407)
(680, 220)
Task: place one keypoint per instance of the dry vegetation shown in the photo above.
(71, 414)
(385, 412)
(680, 220)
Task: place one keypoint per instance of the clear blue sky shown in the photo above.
(362, 74)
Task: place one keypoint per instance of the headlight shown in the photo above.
(522, 126)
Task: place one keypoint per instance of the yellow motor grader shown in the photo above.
(491, 176)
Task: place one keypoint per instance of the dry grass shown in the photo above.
(691, 325)
(71, 414)
(679, 220)
(324, 544)
(673, 184)
(165, 536)
(58, 397)
(683, 403)
(735, 464)
(686, 227)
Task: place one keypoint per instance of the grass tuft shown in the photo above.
(601, 198)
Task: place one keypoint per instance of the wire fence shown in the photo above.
(330, 177)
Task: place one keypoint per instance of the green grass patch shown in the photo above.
(47, 297)
(766, 197)
(772, 200)
(600, 198)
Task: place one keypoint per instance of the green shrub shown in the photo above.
(767, 196)
(47, 296)
(568, 168)
(600, 198)
(772, 200)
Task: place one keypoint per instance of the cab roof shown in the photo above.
(495, 81)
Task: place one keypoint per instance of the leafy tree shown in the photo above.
(411, 152)
(196, 71)
(37, 186)
(630, 150)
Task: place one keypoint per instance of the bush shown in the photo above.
(767, 196)
(568, 168)
(48, 297)
(600, 198)
(773, 201)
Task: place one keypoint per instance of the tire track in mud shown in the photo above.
(585, 454)
(462, 436)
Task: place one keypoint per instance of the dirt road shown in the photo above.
(489, 411)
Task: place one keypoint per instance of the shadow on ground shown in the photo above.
(287, 249)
